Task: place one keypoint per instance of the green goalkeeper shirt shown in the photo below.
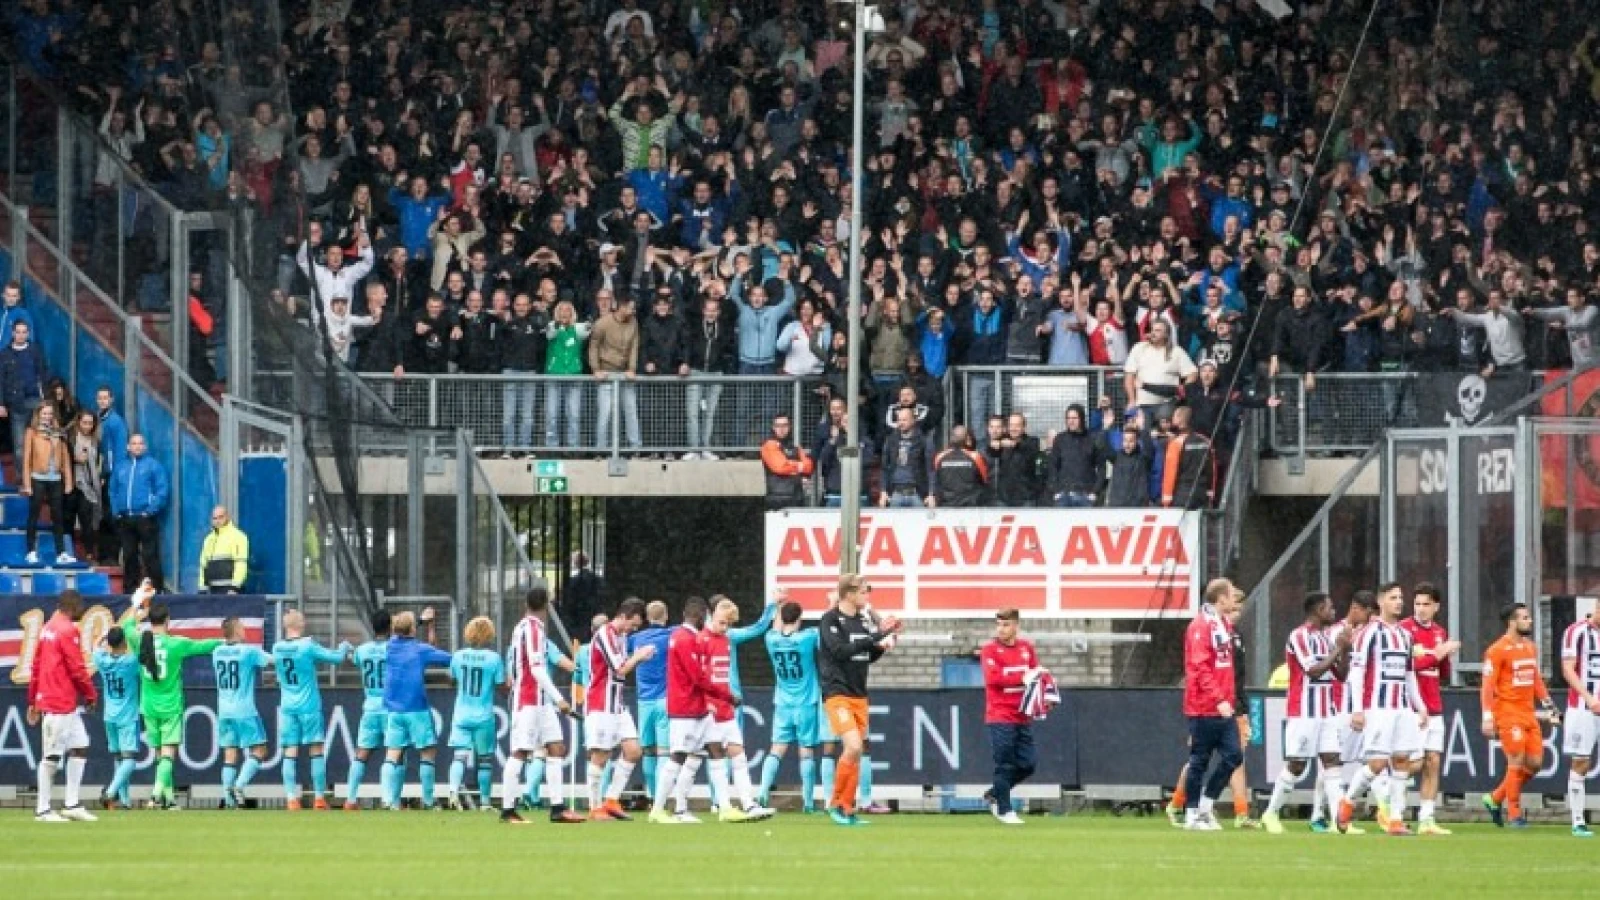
(161, 696)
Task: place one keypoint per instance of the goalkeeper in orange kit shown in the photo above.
(1512, 683)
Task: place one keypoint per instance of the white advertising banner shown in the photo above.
(1074, 563)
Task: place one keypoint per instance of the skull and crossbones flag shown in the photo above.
(1465, 398)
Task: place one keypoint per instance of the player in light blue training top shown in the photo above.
(119, 680)
(478, 671)
(300, 721)
(371, 661)
(796, 695)
(238, 667)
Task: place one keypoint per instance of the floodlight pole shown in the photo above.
(850, 456)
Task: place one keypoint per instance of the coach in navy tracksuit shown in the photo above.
(1209, 703)
(139, 491)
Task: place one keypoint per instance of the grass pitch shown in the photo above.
(439, 854)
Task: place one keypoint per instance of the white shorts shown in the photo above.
(535, 727)
(604, 731)
(1389, 733)
(688, 735)
(1306, 737)
(1580, 729)
(63, 732)
(1432, 738)
(728, 733)
(1348, 739)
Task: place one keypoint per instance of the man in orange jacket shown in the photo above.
(787, 466)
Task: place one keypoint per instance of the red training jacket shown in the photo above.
(1432, 672)
(719, 665)
(1003, 668)
(60, 682)
(1208, 664)
(689, 686)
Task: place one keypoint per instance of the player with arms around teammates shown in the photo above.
(690, 689)
(300, 719)
(478, 672)
(1386, 708)
(239, 729)
(161, 703)
(797, 700)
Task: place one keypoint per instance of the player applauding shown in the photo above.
(405, 704)
(300, 720)
(1511, 684)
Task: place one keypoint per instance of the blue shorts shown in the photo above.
(122, 737)
(479, 738)
(232, 733)
(300, 729)
(370, 735)
(653, 731)
(796, 725)
(410, 729)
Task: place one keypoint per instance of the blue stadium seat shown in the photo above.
(48, 583)
(93, 583)
(13, 547)
(13, 511)
(10, 584)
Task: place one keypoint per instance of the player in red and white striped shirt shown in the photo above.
(1315, 665)
(535, 721)
(1580, 666)
(608, 724)
(1386, 707)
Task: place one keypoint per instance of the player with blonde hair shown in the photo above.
(478, 671)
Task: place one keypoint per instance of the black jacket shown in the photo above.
(1300, 340)
(1017, 477)
(914, 453)
(429, 352)
(523, 343)
(709, 346)
(1077, 461)
(1189, 478)
(960, 478)
(383, 346)
(661, 341)
(1129, 484)
(477, 351)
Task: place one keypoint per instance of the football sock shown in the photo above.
(650, 765)
(1333, 789)
(718, 778)
(535, 773)
(666, 784)
(164, 778)
(1281, 788)
(592, 785)
(509, 786)
(769, 774)
(829, 774)
(122, 779)
(458, 774)
(47, 778)
(358, 771)
(230, 774)
(1576, 797)
(846, 783)
(426, 776)
(319, 776)
(485, 780)
(741, 780)
(1397, 799)
(808, 781)
(619, 779)
(291, 777)
(684, 783)
(866, 781)
(389, 775)
(75, 766)
(1359, 784)
(555, 784)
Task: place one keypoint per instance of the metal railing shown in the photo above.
(718, 414)
(1225, 523)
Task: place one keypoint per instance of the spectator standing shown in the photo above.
(564, 357)
(614, 357)
(960, 474)
(1189, 476)
(46, 481)
(225, 555)
(787, 466)
(984, 332)
(1066, 325)
(84, 504)
(1504, 330)
(476, 337)
(139, 492)
(523, 349)
(709, 346)
(1017, 479)
(1077, 462)
(22, 378)
(1128, 486)
(1577, 320)
(12, 310)
(907, 464)
(582, 598)
(1009, 665)
(332, 277)
(1154, 371)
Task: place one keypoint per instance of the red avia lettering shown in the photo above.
(1144, 544)
(819, 547)
(993, 545)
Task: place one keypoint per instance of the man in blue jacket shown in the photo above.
(405, 703)
(417, 209)
(650, 680)
(138, 495)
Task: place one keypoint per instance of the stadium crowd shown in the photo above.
(659, 190)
